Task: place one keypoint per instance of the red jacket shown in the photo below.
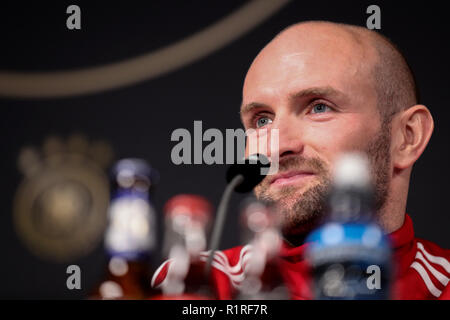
(422, 268)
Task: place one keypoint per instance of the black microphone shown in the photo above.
(251, 171)
(241, 177)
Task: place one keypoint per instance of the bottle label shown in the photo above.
(350, 261)
(131, 231)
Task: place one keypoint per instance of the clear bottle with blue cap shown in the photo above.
(350, 255)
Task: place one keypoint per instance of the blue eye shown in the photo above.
(320, 108)
(261, 122)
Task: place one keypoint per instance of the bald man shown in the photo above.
(332, 88)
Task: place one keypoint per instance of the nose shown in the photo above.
(290, 141)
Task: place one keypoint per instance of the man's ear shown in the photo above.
(411, 133)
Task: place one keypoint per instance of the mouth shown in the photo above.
(290, 178)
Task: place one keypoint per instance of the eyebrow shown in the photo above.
(314, 91)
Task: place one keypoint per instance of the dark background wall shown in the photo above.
(138, 120)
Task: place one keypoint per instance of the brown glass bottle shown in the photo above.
(124, 279)
(130, 236)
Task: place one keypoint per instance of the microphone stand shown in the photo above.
(220, 219)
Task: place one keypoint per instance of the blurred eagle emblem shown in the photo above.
(60, 207)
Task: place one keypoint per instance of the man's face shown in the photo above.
(317, 91)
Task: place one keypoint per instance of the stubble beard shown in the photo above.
(300, 211)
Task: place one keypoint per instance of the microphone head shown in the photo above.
(250, 169)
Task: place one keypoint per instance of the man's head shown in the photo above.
(330, 88)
